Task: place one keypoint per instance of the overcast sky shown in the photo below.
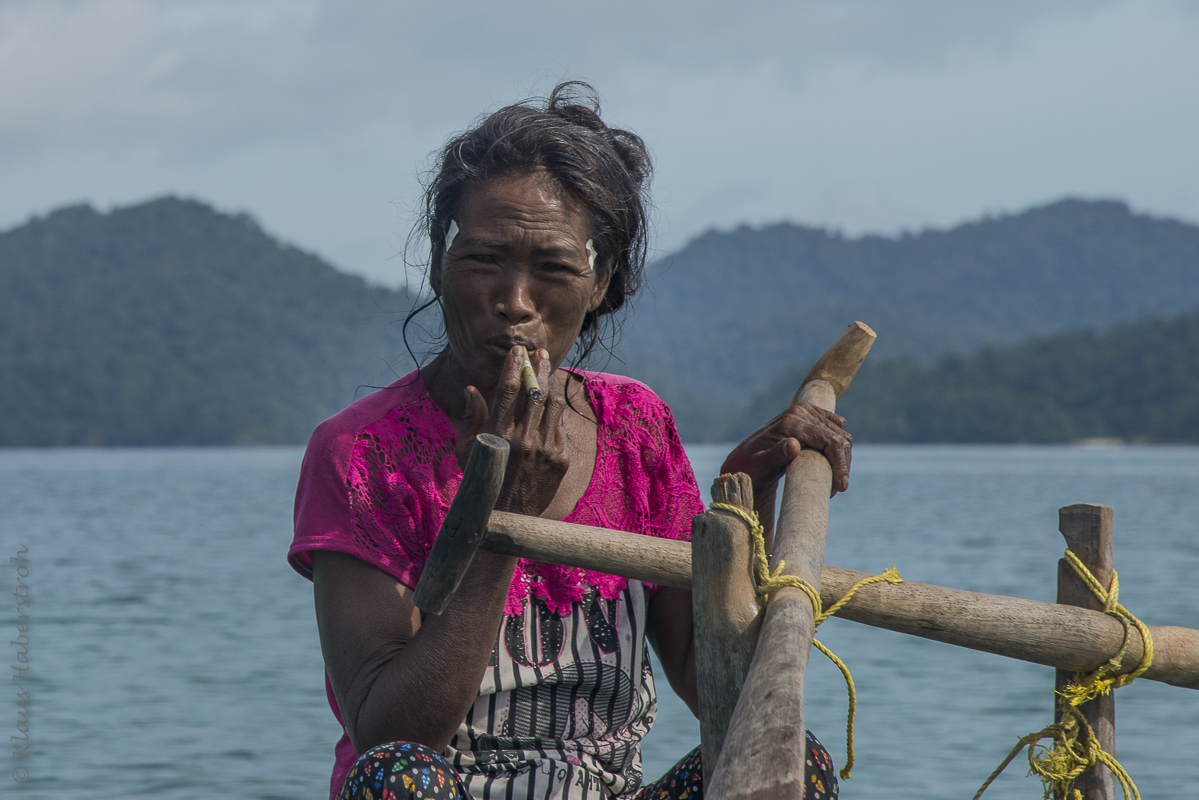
(862, 115)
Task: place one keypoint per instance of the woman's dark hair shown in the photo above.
(606, 169)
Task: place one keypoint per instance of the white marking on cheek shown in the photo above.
(590, 253)
(451, 234)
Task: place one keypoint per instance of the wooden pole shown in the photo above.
(726, 610)
(464, 526)
(764, 751)
(1028, 630)
(1087, 528)
(630, 555)
(1041, 633)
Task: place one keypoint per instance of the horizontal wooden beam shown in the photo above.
(632, 555)
(1059, 636)
(1042, 633)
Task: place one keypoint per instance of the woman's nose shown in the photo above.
(515, 300)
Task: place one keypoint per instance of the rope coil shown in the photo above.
(1075, 746)
(769, 581)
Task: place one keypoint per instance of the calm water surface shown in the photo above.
(174, 652)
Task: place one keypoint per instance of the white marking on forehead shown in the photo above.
(451, 234)
(590, 252)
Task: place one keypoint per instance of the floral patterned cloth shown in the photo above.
(402, 770)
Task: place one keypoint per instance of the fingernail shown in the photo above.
(545, 354)
(466, 397)
(845, 483)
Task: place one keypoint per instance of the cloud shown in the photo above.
(862, 114)
(204, 70)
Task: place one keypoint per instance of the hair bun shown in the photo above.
(581, 115)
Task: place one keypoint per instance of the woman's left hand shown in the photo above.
(765, 453)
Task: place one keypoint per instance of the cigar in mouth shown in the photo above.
(528, 378)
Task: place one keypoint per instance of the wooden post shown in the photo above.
(464, 526)
(726, 610)
(1087, 528)
(764, 751)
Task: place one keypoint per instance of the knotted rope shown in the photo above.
(1075, 746)
(768, 582)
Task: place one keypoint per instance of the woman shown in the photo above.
(535, 682)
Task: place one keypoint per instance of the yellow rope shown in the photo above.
(1075, 746)
(768, 582)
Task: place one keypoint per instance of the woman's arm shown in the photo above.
(671, 630)
(395, 678)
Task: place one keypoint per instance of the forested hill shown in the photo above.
(727, 313)
(1136, 382)
(171, 323)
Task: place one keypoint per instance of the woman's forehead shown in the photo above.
(521, 205)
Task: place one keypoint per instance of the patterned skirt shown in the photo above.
(403, 770)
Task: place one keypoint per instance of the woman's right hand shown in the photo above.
(538, 457)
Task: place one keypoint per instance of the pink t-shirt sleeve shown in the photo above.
(322, 510)
(372, 485)
(651, 486)
(682, 495)
(674, 496)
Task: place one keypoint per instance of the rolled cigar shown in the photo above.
(528, 378)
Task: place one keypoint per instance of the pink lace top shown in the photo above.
(378, 478)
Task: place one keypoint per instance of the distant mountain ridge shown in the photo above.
(730, 310)
(1135, 382)
(171, 323)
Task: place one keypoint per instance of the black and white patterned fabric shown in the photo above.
(563, 705)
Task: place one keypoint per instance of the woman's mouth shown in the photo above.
(497, 350)
(500, 346)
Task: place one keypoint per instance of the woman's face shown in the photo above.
(517, 272)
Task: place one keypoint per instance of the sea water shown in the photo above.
(173, 653)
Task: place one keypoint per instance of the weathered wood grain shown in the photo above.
(1028, 630)
(726, 610)
(764, 749)
(632, 555)
(840, 363)
(1088, 530)
(763, 755)
(464, 525)
(1060, 636)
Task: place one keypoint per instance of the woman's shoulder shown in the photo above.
(370, 474)
(644, 481)
(404, 403)
(633, 419)
(618, 397)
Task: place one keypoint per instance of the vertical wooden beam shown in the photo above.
(727, 614)
(764, 752)
(1088, 529)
